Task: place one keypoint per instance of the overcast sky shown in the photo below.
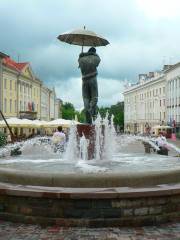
(143, 34)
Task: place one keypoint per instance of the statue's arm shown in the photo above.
(97, 60)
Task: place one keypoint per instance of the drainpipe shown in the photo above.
(2, 55)
(18, 85)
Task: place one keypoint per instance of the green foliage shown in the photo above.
(178, 134)
(117, 110)
(103, 111)
(2, 139)
(80, 116)
(68, 111)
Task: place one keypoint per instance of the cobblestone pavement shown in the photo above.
(17, 231)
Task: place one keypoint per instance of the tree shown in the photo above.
(118, 111)
(81, 116)
(103, 111)
(68, 111)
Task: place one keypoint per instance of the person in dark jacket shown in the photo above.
(88, 63)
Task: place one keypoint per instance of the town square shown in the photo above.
(89, 120)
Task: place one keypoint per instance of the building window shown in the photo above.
(164, 102)
(15, 105)
(20, 105)
(10, 105)
(164, 90)
(159, 90)
(5, 83)
(5, 105)
(10, 84)
(160, 103)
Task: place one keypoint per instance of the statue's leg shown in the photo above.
(94, 97)
(86, 99)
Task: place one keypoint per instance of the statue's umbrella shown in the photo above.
(83, 37)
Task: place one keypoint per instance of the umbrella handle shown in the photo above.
(83, 41)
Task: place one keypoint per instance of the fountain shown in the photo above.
(120, 186)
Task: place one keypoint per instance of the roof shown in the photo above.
(3, 55)
(14, 65)
(172, 67)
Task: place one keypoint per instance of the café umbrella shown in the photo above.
(83, 37)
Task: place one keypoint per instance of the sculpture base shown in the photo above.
(89, 133)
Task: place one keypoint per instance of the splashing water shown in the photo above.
(98, 137)
(109, 137)
(72, 145)
(84, 143)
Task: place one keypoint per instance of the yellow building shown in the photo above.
(23, 95)
(20, 90)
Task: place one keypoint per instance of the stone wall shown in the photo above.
(91, 209)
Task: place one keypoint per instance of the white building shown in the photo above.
(173, 95)
(144, 103)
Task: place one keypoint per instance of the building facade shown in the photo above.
(22, 94)
(45, 104)
(173, 96)
(145, 103)
(58, 107)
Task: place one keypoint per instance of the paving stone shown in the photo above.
(15, 231)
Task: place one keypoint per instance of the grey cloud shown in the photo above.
(137, 43)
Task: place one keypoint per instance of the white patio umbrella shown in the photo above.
(39, 123)
(60, 122)
(13, 122)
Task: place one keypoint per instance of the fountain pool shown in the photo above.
(127, 187)
(128, 167)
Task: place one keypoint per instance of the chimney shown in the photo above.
(151, 74)
(166, 67)
(142, 77)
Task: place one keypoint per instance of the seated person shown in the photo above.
(162, 144)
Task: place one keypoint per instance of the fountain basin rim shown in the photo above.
(87, 193)
(100, 180)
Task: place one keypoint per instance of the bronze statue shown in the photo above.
(88, 63)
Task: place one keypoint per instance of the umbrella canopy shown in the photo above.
(39, 123)
(60, 122)
(16, 122)
(161, 127)
(83, 37)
